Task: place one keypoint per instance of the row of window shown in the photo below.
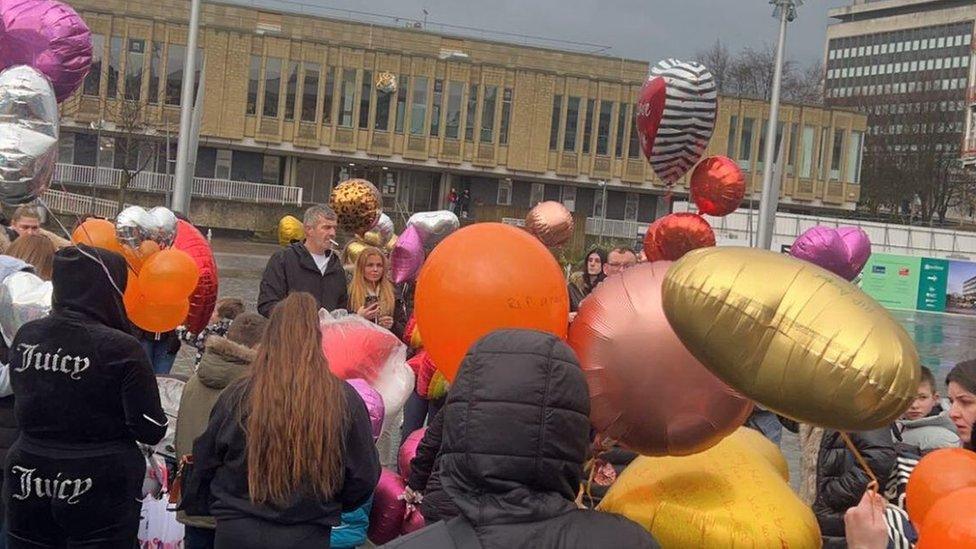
(913, 147)
(740, 147)
(164, 69)
(902, 108)
(898, 68)
(901, 46)
(572, 115)
(924, 128)
(946, 84)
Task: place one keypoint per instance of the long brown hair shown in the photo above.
(358, 288)
(38, 250)
(297, 409)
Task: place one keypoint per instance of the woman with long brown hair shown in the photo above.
(38, 250)
(371, 293)
(289, 447)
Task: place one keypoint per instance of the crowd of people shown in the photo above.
(275, 451)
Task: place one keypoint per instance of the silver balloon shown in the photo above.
(28, 134)
(383, 228)
(23, 297)
(134, 225)
(434, 226)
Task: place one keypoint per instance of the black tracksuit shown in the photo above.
(293, 270)
(85, 393)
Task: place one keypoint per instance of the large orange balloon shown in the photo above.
(152, 317)
(168, 276)
(951, 523)
(646, 390)
(99, 233)
(672, 236)
(936, 475)
(717, 186)
(483, 278)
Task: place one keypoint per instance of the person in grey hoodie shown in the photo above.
(925, 425)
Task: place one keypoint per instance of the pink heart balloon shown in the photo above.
(842, 251)
(407, 256)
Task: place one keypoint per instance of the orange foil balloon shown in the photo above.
(550, 222)
(951, 523)
(717, 186)
(672, 236)
(937, 474)
(483, 278)
(152, 317)
(99, 233)
(168, 276)
(646, 390)
(135, 257)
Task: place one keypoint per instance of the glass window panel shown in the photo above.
(134, 62)
(329, 93)
(621, 122)
(588, 125)
(572, 123)
(94, 77)
(634, 149)
(603, 128)
(822, 160)
(383, 102)
(155, 69)
(488, 114)
(272, 86)
(472, 113)
(455, 93)
(745, 143)
(733, 129)
(435, 111)
(365, 99)
(114, 61)
(418, 106)
(557, 107)
(506, 116)
(403, 88)
(347, 97)
(836, 153)
(291, 90)
(310, 92)
(631, 207)
(791, 153)
(175, 56)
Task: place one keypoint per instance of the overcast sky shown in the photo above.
(641, 29)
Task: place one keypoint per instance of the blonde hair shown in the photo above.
(359, 287)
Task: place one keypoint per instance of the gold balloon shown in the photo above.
(290, 229)
(550, 222)
(353, 249)
(390, 244)
(373, 238)
(357, 205)
(733, 495)
(793, 337)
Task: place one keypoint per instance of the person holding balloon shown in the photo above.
(371, 294)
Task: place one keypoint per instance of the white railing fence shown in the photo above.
(78, 204)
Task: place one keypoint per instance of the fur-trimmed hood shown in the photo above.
(223, 361)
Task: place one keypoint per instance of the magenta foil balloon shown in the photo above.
(413, 521)
(408, 450)
(407, 256)
(374, 404)
(842, 251)
(49, 36)
(386, 516)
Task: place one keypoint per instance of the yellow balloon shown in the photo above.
(733, 495)
(793, 337)
(353, 249)
(290, 229)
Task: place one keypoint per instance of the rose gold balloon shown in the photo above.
(646, 390)
(550, 222)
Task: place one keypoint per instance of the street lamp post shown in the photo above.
(181, 183)
(786, 11)
(603, 211)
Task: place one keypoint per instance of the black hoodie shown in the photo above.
(78, 375)
(516, 433)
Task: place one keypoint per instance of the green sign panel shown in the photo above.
(921, 283)
(932, 284)
(893, 280)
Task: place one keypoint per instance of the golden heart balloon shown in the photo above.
(793, 337)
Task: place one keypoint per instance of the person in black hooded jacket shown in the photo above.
(516, 433)
(425, 474)
(85, 394)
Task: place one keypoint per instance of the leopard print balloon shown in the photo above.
(357, 205)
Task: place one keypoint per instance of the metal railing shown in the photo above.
(78, 204)
(111, 178)
(615, 228)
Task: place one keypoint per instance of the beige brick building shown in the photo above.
(292, 106)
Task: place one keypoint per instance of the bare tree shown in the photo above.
(718, 60)
(133, 147)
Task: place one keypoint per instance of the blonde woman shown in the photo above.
(371, 293)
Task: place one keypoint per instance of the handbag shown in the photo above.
(183, 472)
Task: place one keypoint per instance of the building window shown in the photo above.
(310, 91)
(66, 148)
(621, 121)
(791, 154)
(175, 56)
(745, 143)
(114, 61)
(291, 90)
(504, 197)
(836, 152)
(347, 97)
(568, 197)
(418, 109)
(603, 128)
(93, 79)
(733, 128)
(588, 125)
(365, 99)
(557, 108)
(254, 77)
(272, 87)
(455, 93)
(537, 194)
(488, 114)
(472, 113)
(403, 87)
(806, 161)
(572, 124)
(155, 66)
(631, 207)
(506, 116)
(854, 157)
(383, 100)
(271, 172)
(634, 150)
(134, 60)
(222, 164)
(329, 93)
(822, 160)
(435, 111)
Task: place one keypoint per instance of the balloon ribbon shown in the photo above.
(874, 485)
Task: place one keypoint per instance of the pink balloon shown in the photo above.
(388, 512)
(408, 450)
(407, 256)
(413, 521)
(374, 404)
(842, 251)
(49, 36)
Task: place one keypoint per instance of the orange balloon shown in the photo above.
(99, 233)
(951, 522)
(936, 475)
(483, 278)
(672, 236)
(717, 186)
(135, 257)
(168, 276)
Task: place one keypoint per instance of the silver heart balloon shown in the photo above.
(134, 225)
(28, 134)
(384, 228)
(23, 297)
(434, 226)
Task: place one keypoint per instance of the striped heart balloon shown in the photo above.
(676, 116)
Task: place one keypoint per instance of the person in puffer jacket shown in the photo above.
(85, 394)
(352, 529)
(516, 433)
(840, 480)
(425, 473)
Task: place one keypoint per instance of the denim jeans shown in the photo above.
(766, 423)
(159, 355)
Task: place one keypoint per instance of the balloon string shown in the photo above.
(873, 485)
